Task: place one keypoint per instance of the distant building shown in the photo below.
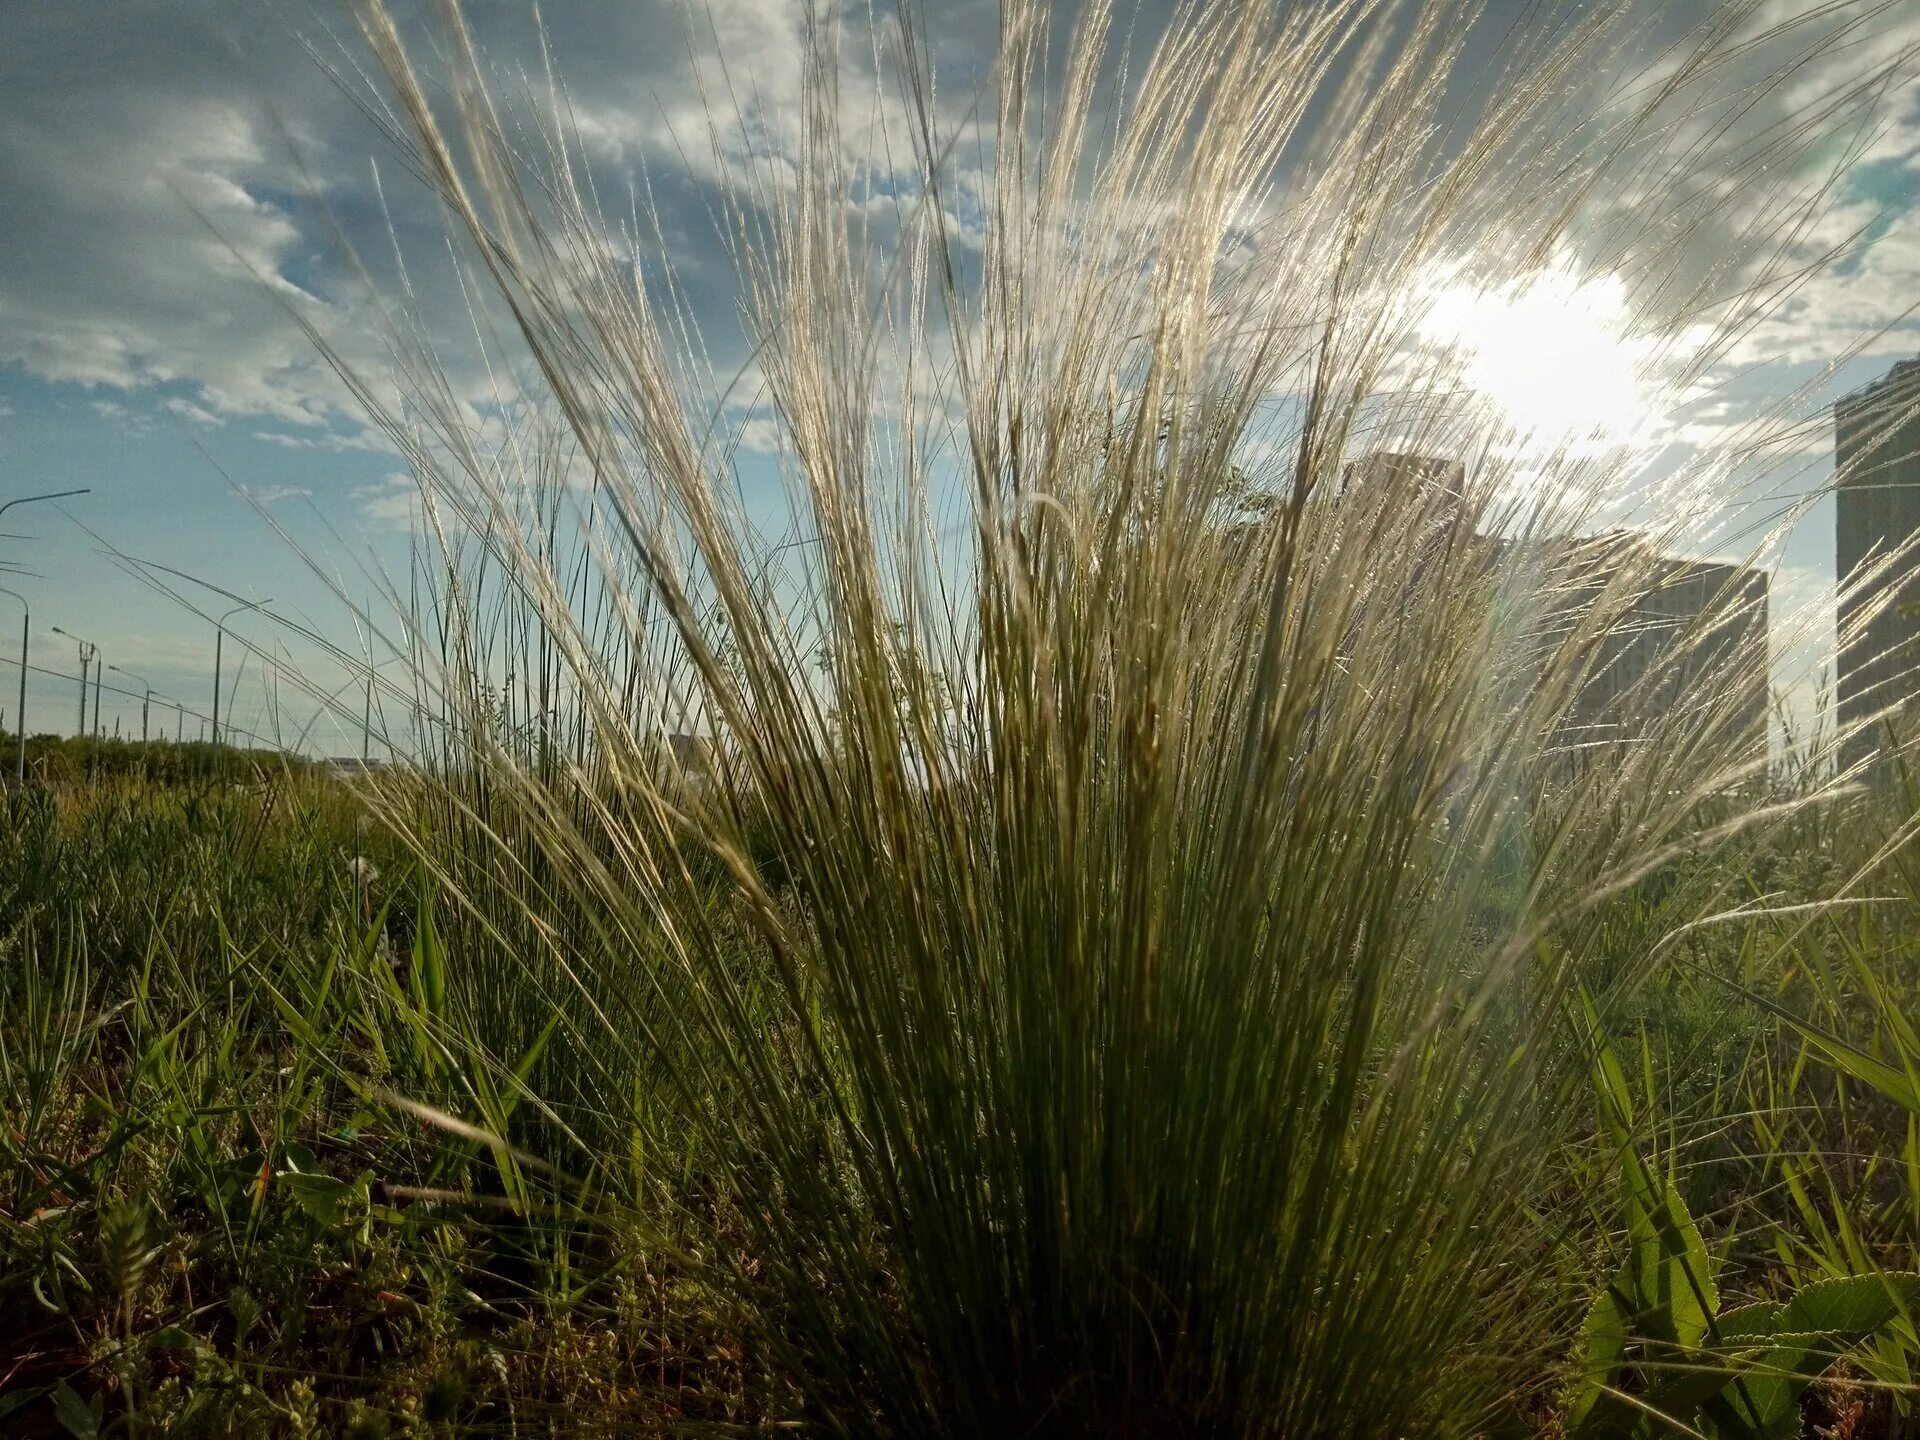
(1687, 633)
(1691, 632)
(1377, 484)
(1402, 512)
(1422, 474)
(349, 767)
(1876, 453)
(1431, 487)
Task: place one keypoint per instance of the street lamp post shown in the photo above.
(20, 716)
(146, 699)
(219, 635)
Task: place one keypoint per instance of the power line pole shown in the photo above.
(20, 715)
(20, 773)
(89, 653)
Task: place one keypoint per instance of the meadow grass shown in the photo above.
(1141, 947)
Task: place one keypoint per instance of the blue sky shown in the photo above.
(181, 179)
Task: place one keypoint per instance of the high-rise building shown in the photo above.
(1428, 490)
(1689, 632)
(1678, 635)
(1876, 453)
(1426, 475)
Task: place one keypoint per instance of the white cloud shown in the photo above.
(112, 280)
(133, 421)
(390, 504)
(198, 414)
(335, 442)
(760, 435)
(163, 240)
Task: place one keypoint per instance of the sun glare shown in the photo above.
(1552, 354)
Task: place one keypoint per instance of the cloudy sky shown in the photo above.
(180, 180)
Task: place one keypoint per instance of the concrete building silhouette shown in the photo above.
(1876, 454)
(1427, 476)
(1685, 634)
(1689, 633)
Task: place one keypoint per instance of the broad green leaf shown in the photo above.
(1604, 1341)
(1809, 1333)
(1671, 1285)
(1749, 1322)
(318, 1195)
(80, 1418)
(1683, 1390)
(1856, 1306)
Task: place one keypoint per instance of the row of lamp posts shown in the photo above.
(91, 658)
(20, 716)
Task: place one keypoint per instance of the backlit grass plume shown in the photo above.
(1103, 887)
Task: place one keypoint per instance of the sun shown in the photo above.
(1555, 356)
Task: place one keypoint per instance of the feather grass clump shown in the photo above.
(1113, 935)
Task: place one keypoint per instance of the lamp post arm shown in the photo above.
(219, 637)
(50, 495)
